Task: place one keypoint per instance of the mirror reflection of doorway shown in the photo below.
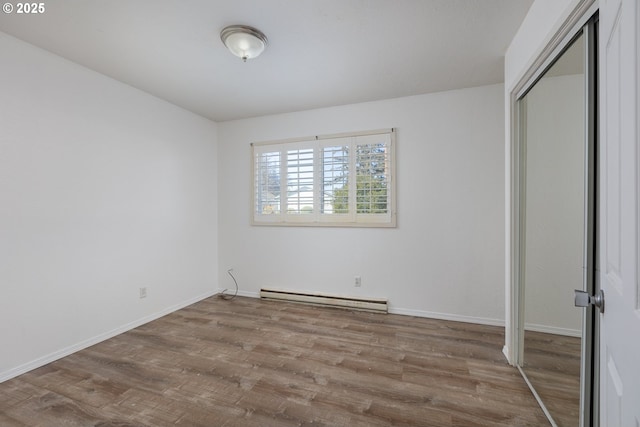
(556, 165)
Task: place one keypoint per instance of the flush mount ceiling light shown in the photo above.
(243, 41)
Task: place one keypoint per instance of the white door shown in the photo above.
(619, 213)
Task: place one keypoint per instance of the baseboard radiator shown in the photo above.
(378, 305)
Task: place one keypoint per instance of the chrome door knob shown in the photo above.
(583, 299)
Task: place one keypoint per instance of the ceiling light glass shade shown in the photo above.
(243, 41)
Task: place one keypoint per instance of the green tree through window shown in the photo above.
(371, 182)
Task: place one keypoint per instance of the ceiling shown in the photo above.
(321, 52)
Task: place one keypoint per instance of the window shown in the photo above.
(331, 180)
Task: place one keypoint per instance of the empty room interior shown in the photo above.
(319, 213)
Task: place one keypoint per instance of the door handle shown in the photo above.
(583, 299)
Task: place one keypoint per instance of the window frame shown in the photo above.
(317, 218)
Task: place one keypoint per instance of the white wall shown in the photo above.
(544, 19)
(445, 257)
(103, 190)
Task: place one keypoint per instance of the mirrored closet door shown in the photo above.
(557, 205)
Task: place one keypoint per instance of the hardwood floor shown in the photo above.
(248, 362)
(552, 364)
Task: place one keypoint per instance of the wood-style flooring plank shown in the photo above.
(248, 362)
(552, 364)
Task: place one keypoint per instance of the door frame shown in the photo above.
(576, 21)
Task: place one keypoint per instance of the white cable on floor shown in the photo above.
(230, 297)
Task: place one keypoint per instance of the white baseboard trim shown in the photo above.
(446, 316)
(553, 330)
(246, 294)
(29, 366)
(507, 354)
(419, 313)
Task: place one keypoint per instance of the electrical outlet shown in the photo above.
(143, 292)
(358, 281)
